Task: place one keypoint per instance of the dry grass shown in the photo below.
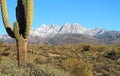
(77, 60)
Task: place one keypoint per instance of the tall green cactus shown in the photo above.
(21, 29)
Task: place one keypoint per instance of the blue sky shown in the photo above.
(89, 13)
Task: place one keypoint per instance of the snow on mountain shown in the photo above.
(94, 31)
(53, 29)
(76, 28)
(45, 30)
(73, 33)
(41, 31)
(65, 28)
(72, 29)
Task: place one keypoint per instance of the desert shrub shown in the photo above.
(40, 60)
(113, 54)
(10, 68)
(4, 49)
(43, 70)
(77, 67)
(117, 51)
(103, 48)
(6, 52)
(80, 46)
(86, 48)
(110, 54)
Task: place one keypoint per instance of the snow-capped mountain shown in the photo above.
(45, 30)
(72, 29)
(94, 31)
(69, 33)
(53, 29)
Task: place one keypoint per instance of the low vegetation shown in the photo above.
(62, 60)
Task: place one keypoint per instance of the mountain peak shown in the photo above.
(53, 26)
(67, 28)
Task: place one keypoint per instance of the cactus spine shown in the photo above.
(21, 29)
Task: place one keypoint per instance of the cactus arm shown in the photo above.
(29, 16)
(20, 16)
(16, 30)
(5, 18)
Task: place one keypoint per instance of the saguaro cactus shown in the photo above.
(21, 28)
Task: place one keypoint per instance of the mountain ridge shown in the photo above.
(67, 28)
(69, 33)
